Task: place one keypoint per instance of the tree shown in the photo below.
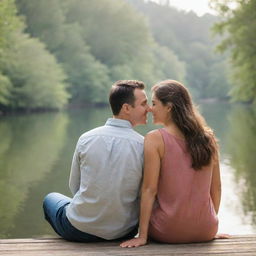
(37, 81)
(114, 30)
(97, 43)
(168, 64)
(188, 37)
(30, 77)
(5, 90)
(9, 22)
(239, 28)
(118, 37)
(87, 77)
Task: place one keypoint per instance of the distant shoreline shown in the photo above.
(101, 105)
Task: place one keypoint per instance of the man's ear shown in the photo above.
(126, 108)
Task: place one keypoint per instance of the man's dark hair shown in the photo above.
(122, 92)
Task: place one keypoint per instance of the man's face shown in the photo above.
(138, 113)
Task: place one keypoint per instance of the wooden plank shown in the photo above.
(237, 245)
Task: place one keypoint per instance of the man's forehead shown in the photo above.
(140, 95)
(140, 92)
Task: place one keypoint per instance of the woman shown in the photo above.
(181, 172)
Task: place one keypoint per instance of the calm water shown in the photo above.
(36, 152)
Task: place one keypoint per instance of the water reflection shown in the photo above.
(235, 126)
(241, 148)
(29, 222)
(36, 153)
(29, 147)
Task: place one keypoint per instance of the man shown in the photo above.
(105, 174)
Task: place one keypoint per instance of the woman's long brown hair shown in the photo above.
(200, 139)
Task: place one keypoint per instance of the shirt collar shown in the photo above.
(119, 123)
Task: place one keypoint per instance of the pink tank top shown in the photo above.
(183, 211)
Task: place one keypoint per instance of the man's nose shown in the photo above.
(149, 109)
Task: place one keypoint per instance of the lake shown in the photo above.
(36, 152)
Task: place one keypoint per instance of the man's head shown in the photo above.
(128, 101)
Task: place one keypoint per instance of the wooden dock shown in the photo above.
(236, 245)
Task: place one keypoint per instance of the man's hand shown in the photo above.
(135, 242)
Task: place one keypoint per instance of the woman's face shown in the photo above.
(161, 113)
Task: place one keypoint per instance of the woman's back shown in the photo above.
(184, 211)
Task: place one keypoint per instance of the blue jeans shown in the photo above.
(54, 206)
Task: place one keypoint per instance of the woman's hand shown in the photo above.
(222, 236)
(135, 242)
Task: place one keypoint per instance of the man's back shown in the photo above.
(105, 180)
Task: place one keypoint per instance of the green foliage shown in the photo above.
(239, 26)
(115, 32)
(9, 22)
(243, 135)
(5, 88)
(37, 80)
(168, 64)
(83, 46)
(30, 77)
(87, 77)
(218, 85)
(96, 43)
(188, 37)
(44, 19)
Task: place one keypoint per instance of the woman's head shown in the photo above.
(176, 100)
(175, 96)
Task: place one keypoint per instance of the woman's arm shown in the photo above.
(216, 186)
(216, 194)
(149, 187)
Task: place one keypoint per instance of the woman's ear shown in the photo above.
(169, 107)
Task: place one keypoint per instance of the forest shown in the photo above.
(58, 53)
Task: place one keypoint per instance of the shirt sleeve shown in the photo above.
(75, 174)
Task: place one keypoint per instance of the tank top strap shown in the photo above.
(172, 141)
(165, 135)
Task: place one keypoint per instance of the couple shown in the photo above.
(180, 194)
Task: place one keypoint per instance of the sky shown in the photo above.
(200, 7)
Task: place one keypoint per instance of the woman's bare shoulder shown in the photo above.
(154, 137)
(154, 134)
(154, 142)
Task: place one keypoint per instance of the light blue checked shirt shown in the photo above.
(105, 180)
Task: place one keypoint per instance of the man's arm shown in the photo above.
(75, 174)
